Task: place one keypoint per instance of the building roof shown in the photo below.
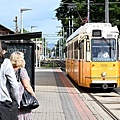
(3, 28)
(23, 36)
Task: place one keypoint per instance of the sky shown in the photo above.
(42, 16)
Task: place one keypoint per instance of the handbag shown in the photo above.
(28, 101)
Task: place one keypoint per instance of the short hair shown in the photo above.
(17, 59)
(4, 46)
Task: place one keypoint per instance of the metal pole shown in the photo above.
(69, 26)
(40, 57)
(45, 49)
(106, 11)
(21, 10)
(21, 20)
(33, 27)
(63, 44)
(55, 51)
(88, 11)
(72, 25)
(36, 52)
(59, 49)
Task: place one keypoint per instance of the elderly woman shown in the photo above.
(18, 62)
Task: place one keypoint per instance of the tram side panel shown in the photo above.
(76, 71)
(84, 73)
(72, 68)
(67, 66)
(119, 73)
(87, 73)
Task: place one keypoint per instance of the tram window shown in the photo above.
(81, 46)
(68, 51)
(108, 52)
(76, 54)
(76, 45)
(76, 49)
(87, 46)
(71, 50)
(68, 47)
(68, 54)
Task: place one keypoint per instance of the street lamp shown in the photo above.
(33, 27)
(21, 11)
(36, 52)
(106, 11)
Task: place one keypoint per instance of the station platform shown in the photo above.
(60, 100)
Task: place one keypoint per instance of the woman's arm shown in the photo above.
(28, 87)
(26, 81)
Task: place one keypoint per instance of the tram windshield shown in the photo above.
(103, 49)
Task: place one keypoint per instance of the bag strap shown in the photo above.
(18, 74)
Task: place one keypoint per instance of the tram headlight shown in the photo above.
(103, 74)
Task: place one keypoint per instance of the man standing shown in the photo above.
(9, 89)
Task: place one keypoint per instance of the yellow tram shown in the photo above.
(92, 56)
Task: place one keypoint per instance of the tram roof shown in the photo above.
(89, 26)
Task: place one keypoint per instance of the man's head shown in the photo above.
(4, 48)
(102, 49)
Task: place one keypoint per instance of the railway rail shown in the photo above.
(111, 114)
(61, 64)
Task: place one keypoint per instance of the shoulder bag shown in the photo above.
(28, 101)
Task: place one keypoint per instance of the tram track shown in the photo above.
(104, 108)
(100, 102)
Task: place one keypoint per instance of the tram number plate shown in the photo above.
(104, 65)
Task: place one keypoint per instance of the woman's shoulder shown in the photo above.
(23, 70)
(24, 73)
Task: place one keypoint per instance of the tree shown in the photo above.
(79, 13)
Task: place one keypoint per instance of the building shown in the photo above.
(5, 31)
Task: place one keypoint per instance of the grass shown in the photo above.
(49, 65)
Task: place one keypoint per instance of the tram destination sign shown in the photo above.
(96, 33)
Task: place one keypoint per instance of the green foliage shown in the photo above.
(79, 12)
(48, 64)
